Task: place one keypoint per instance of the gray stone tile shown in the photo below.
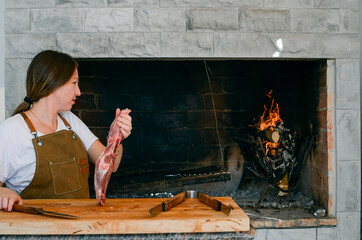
(348, 135)
(348, 226)
(132, 3)
(186, 3)
(289, 3)
(348, 84)
(264, 20)
(314, 20)
(337, 45)
(212, 19)
(291, 234)
(55, 20)
(326, 233)
(83, 44)
(349, 20)
(17, 21)
(239, 45)
(27, 45)
(348, 186)
(108, 19)
(160, 20)
(82, 3)
(290, 45)
(348, 4)
(187, 44)
(261, 234)
(15, 76)
(238, 3)
(135, 45)
(30, 3)
(326, 3)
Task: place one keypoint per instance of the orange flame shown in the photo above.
(271, 117)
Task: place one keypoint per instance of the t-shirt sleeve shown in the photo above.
(79, 127)
(8, 154)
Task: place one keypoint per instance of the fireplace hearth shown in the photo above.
(186, 114)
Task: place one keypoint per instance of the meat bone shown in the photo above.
(179, 198)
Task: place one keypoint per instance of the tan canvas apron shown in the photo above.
(62, 168)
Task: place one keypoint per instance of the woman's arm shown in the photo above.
(124, 121)
(7, 198)
(96, 150)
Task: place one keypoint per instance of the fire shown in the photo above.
(270, 117)
(268, 121)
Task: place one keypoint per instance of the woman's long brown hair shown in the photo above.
(48, 71)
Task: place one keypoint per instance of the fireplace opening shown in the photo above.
(187, 115)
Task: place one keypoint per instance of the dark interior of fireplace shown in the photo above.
(187, 116)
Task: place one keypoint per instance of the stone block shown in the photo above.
(108, 19)
(291, 234)
(337, 45)
(239, 45)
(349, 20)
(30, 3)
(348, 4)
(290, 45)
(83, 44)
(212, 19)
(187, 44)
(326, 233)
(55, 20)
(132, 3)
(288, 3)
(314, 20)
(348, 186)
(326, 3)
(264, 20)
(15, 77)
(261, 234)
(348, 135)
(27, 45)
(186, 3)
(348, 84)
(238, 3)
(348, 226)
(81, 3)
(17, 21)
(160, 20)
(135, 45)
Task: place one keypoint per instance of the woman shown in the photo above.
(44, 148)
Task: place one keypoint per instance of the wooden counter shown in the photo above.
(123, 216)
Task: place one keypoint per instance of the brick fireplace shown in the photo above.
(216, 30)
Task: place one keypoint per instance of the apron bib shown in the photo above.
(62, 167)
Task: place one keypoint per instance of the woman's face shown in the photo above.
(66, 95)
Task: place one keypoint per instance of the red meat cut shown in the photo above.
(104, 164)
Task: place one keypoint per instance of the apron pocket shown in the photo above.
(65, 176)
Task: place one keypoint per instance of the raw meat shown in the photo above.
(104, 164)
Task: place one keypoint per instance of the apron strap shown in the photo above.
(31, 127)
(67, 125)
(65, 121)
(35, 133)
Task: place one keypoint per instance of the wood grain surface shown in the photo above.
(123, 216)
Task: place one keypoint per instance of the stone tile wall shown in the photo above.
(208, 29)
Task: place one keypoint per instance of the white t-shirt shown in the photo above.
(17, 154)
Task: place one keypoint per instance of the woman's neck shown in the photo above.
(45, 115)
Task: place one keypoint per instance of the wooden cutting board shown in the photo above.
(123, 216)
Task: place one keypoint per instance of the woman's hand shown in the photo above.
(7, 199)
(124, 121)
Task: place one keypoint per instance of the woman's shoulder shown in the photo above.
(12, 122)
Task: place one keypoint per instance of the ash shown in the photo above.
(248, 196)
